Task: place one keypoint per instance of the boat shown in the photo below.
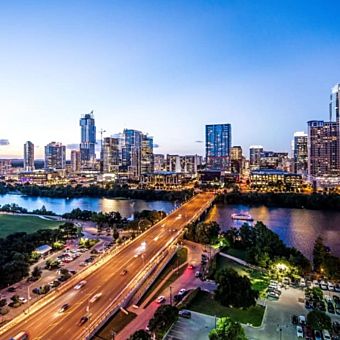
(242, 217)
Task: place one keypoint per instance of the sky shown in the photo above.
(166, 68)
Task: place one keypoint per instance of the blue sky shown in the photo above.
(166, 68)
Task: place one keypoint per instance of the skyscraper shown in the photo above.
(334, 112)
(255, 154)
(75, 161)
(322, 148)
(236, 159)
(55, 156)
(29, 156)
(88, 139)
(300, 153)
(217, 146)
(111, 154)
(131, 152)
(147, 160)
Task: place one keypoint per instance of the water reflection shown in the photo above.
(296, 227)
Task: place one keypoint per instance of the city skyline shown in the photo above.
(125, 64)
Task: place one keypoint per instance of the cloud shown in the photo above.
(72, 146)
(4, 142)
(199, 141)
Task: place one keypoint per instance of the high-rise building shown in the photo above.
(75, 161)
(87, 139)
(131, 152)
(300, 153)
(334, 111)
(159, 162)
(111, 154)
(147, 159)
(189, 164)
(274, 160)
(322, 148)
(255, 153)
(173, 163)
(55, 156)
(29, 156)
(236, 159)
(217, 146)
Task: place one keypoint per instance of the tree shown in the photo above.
(319, 254)
(234, 290)
(140, 335)
(36, 272)
(319, 320)
(226, 329)
(163, 318)
(205, 233)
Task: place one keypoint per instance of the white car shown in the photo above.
(302, 282)
(299, 331)
(160, 299)
(95, 297)
(330, 286)
(302, 320)
(182, 291)
(80, 284)
(326, 335)
(22, 299)
(323, 285)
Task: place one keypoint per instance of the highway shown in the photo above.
(47, 323)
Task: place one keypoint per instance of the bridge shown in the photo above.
(138, 257)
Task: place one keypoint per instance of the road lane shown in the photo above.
(47, 323)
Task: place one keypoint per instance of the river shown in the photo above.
(296, 227)
(60, 206)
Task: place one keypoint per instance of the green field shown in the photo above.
(10, 224)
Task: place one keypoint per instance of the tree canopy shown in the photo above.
(226, 329)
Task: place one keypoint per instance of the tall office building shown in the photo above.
(75, 161)
(334, 112)
(236, 160)
(87, 139)
(217, 146)
(173, 163)
(131, 152)
(55, 156)
(300, 153)
(111, 155)
(159, 162)
(29, 156)
(322, 148)
(189, 164)
(147, 159)
(255, 154)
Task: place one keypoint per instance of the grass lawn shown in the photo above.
(204, 303)
(10, 224)
(179, 258)
(259, 280)
(115, 324)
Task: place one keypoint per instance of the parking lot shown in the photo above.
(197, 327)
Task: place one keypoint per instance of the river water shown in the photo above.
(62, 205)
(296, 227)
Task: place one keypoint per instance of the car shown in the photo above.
(326, 335)
(308, 304)
(308, 333)
(302, 282)
(273, 295)
(337, 287)
(178, 298)
(36, 290)
(330, 286)
(160, 299)
(299, 331)
(295, 320)
(315, 283)
(197, 274)
(330, 308)
(182, 291)
(64, 307)
(184, 314)
(123, 272)
(322, 306)
(317, 335)
(11, 289)
(302, 320)
(22, 299)
(323, 285)
(95, 297)
(84, 319)
(337, 310)
(336, 299)
(80, 285)
(191, 266)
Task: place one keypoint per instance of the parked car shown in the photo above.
(330, 286)
(299, 331)
(302, 320)
(184, 314)
(302, 282)
(197, 274)
(330, 308)
(317, 335)
(273, 295)
(11, 289)
(326, 335)
(309, 333)
(22, 299)
(178, 298)
(337, 287)
(323, 285)
(309, 304)
(336, 299)
(161, 299)
(182, 291)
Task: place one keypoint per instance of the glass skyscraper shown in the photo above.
(88, 138)
(29, 156)
(217, 146)
(55, 156)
